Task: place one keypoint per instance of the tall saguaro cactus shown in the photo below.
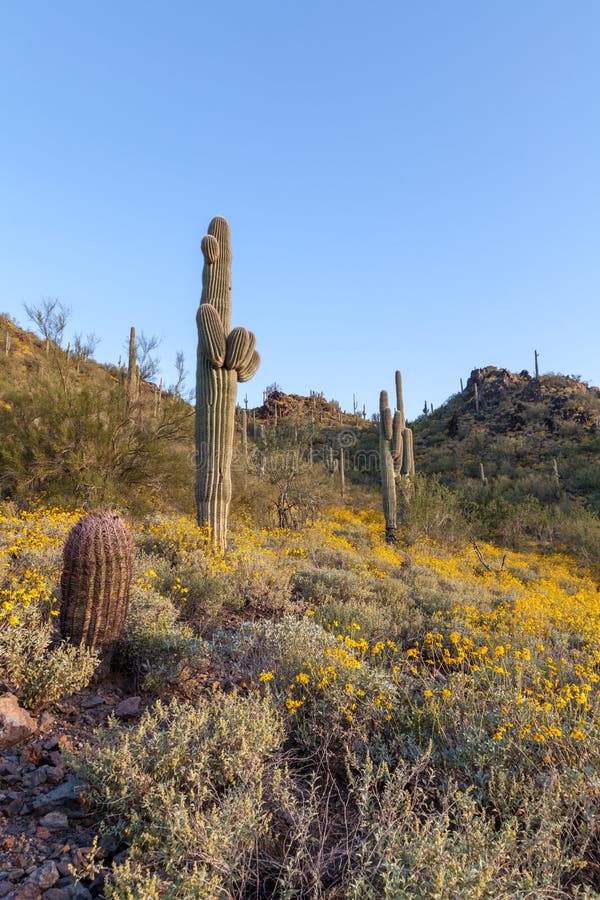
(225, 356)
(395, 454)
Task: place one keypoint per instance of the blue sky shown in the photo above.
(409, 185)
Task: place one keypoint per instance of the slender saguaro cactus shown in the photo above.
(390, 449)
(132, 371)
(536, 357)
(556, 478)
(95, 582)
(396, 456)
(225, 356)
(245, 434)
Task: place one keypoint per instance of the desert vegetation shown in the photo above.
(367, 668)
(408, 720)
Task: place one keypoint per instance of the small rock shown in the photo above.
(55, 774)
(50, 744)
(119, 858)
(11, 779)
(16, 874)
(35, 778)
(46, 876)
(55, 821)
(26, 891)
(91, 702)
(129, 708)
(79, 892)
(79, 856)
(56, 894)
(68, 791)
(4, 888)
(15, 806)
(8, 766)
(15, 722)
(42, 833)
(45, 722)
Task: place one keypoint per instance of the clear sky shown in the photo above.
(410, 185)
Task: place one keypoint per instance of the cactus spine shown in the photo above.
(95, 582)
(396, 456)
(225, 356)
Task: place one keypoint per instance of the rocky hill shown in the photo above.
(531, 435)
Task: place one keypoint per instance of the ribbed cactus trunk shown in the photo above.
(95, 582)
(396, 457)
(225, 357)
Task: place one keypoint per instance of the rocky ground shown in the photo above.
(47, 826)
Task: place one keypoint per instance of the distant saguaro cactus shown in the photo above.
(225, 356)
(133, 380)
(95, 582)
(396, 456)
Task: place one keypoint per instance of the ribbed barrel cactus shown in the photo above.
(95, 582)
(395, 455)
(225, 356)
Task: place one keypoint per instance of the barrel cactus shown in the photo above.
(226, 356)
(95, 582)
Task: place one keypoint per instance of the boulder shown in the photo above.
(16, 724)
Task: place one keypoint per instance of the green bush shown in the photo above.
(159, 649)
(319, 586)
(334, 698)
(185, 788)
(429, 509)
(39, 665)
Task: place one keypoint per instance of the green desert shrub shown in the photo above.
(427, 508)
(426, 840)
(185, 788)
(39, 665)
(331, 696)
(260, 584)
(390, 615)
(156, 646)
(319, 585)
